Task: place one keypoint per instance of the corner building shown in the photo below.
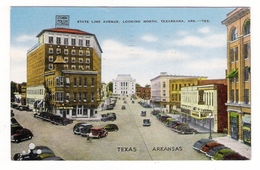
(64, 73)
(238, 74)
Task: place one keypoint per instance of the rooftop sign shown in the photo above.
(62, 21)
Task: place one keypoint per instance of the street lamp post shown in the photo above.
(210, 117)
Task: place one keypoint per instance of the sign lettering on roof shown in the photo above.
(62, 21)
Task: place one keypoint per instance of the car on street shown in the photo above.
(82, 129)
(164, 117)
(108, 118)
(143, 113)
(146, 122)
(172, 123)
(13, 121)
(123, 107)
(209, 145)
(155, 112)
(20, 135)
(111, 127)
(200, 143)
(38, 153)
(186, 130)
(221, 154)
(98, 132)
(12, 113)
(15, 127)
(110, 107)
(234, 156)
(177, 127)
(24, 108)
(215, 149)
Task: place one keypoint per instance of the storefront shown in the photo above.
(246, 127)
(234, 130)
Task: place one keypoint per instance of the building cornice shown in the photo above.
(234, 17)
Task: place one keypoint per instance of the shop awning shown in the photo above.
(232, 73)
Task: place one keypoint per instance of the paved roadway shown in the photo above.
(133, 141)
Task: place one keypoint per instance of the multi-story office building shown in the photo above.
(175, 86)
(198, 102)
(124, 84)
(238, 74)
(64, 72)
(160, 89)
(143, 92)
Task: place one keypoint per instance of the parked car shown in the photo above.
(143, 113)
(177, 126)
(12, 113)
(200, 143)
(82, 129)
(24, 108)
(20, 135)
(170, 119)
(146, 122)
(187, 130)
(45, 152)
(97, 132)
(15, 127)
(61, 120)
(221, 153)
(234, 156)
(155, 112)
(14, 105)
(164, 117)
(108, 118)
(13, 121)
(209, 145)
(110, 107)
(172, 123)
(214, 150)
(111, 127)
(123, 107)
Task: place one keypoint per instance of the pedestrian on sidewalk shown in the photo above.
(89, 137)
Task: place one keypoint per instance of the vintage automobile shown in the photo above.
(20, 135)
(97, 132)
(143, 113)
(123, 107)
(15, 127)
(172, 123)
(110, 107)
(214, 150)
(146, 122)
(12, 113)
(24, 108)
(209, 145)
(186, 130)
(221, 154)
(155, 112)
(111, 127)
(200, 143)
(177, 126)
(37, 153)
(164, 118)
(82, 129)
(108, 118)
(234, 156)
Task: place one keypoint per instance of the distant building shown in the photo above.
(161, 93)
(64, 73)
(124, 84)
(143, 92)
(239, 74)
(198, 102)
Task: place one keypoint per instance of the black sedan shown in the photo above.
(111, 127)
(200, 143)
(214, 150)
(22, 134)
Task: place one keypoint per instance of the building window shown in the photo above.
(246, 96)
(66, 51)
(58, 51)
(66, 59)
(73, 59)
(81, 67)
(66, 66)
(164, 85)
(59, 81)
(80, 60)
(246, 50)
(80, 97)
(67, 97)
(236, 96)
(50, 40)
(232, 96)
(50, 66)
(247, 73)
(234, 34)
(50, 50)
(81, 52)
(73, 41)
(87, 43)
(85, 96)
(66, 41)
(80, 42)
(73, 52)
(59, 97)
(92, 81)
(85, 81)
(58, 40)
(50, 58)
(67, 81)
(247, 28)
(74, 97)
(73, 67)
(74, 81)
(87, 53)
(80, 81)
(87, 67)
(236, 53)
(92, 96)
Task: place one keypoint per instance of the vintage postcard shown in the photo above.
(95, 83)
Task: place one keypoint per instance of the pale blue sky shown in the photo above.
(140, 49)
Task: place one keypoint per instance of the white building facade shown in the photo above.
(124, 84)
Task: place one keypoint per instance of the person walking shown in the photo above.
(89, 137)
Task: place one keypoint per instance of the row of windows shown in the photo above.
(35, 91)
(73, 67)
(234, 52)
(67, 41)
(176, 87)
(73, 51)
(72, 59)
(192, 97)
(234, 96)
(246, 76)
(65, 81)
(234, 33)
(75, 97)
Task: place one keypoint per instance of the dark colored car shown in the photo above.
(45, 152)
(123, 107)
(56, 119)
(13, 121)
(172, 123)
(82, 129)
(214, 150)
(110, 107)
(163, 118)
(222, 153)
(143, 113)
(24, 108)
(187, 130)
(209, 145)
(108, 118)
(111, 127)
(20, 135)
(177, 126)
(155, 112)
(14, 105)
(146, 122)
(12, 113)
(200, 143)
(234, 156)
(97, 132)
(15, 127)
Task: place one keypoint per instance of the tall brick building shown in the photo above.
(64, 73)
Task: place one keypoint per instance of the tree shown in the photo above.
(147, 85)
(110, 86)
(137, 85)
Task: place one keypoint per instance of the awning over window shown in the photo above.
(232, 73)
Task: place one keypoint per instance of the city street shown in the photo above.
(132, 141)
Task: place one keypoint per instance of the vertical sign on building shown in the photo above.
(62, 21)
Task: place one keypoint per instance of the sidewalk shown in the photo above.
(235, 145)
